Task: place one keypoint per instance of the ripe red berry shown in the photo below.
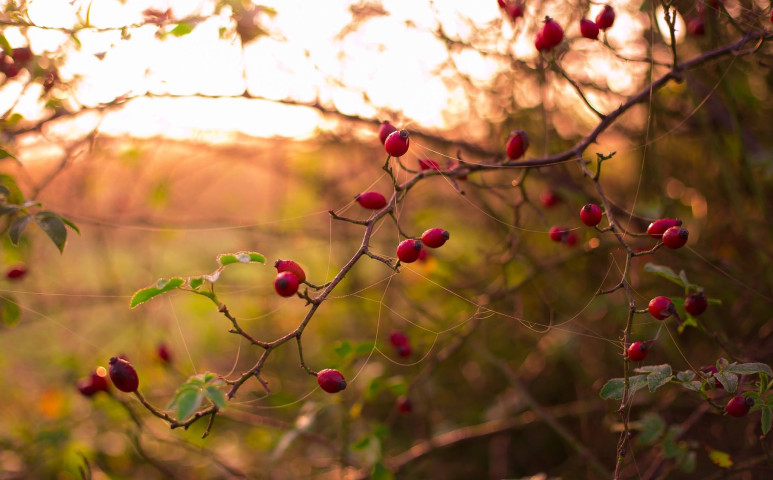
(384, 130)
(552, 34)
(397, 143)
(404, 405)
(21, 55)
(517, 144)
(515, 11)
(10, 70)
(675, 237)
(739, 406)
(164, 353)
(405, 350)
(549, 198)
(422, 254)
(571, 239)
(696, 303)
(331, 380)
(605, 18)
(710, 371)
(16, 272)
(408, 250)
(123, 375)
(292, 267)
(93, 384)
(435, 237)
(661, 307)
(286, 284)
(557, 233)
(539, 42)
(398, 339)
(590, 214)
(638, 351)
(589, 29)
(658, 227)
(428, 164)
(696, 26)
(502, 3)
(371, 200)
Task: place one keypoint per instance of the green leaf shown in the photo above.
(188, 402)
(664, 272)
(9, 312)
(362, 443)
(690, 321)
(656, 380)
(381, 472)
(766, 419)
(613, 389)
(688, 463)
(17, 227)
(651, 429)
(54, 228)
(195, 282)
(6, 46)
(4, 154)
(216, 396)
(749, 369)
(4, 190)
(14, 194)
(71, 225)
(240, 257)
(182, 29)
(728, 380)
(664, 369)
(685, 376)
(9, 208)
(695, 386)
(343, 348)
(162, 286)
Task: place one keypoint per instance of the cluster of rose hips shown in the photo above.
(604, 20)
(408, 251)
(669, 231)
(12, 64)
(289, 276)
(513, 9)
(122, 374)
(401, 343)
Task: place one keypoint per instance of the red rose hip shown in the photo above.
(397, 143)
(549, 198)
(551, 34)
(398, 339)
(16, 272)
(590, 214)
(404, 405)
(557, 233)
(739, 406)
(661, 307)
(384, 130)
(428, 164)
(90, 386)
(605, 18)
(675, 237)
(371, 200)
(123, 375)
(696, 303)
(408, 250)
(589, 29)
(435, 237)
(517, 144)
(659, 227)
(164, 353)
(638, 351)
(331, 380)
(286, 284)
(292, 267)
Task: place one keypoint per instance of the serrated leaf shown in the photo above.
(240, 257)
(216, 396)
(182, 29)
(695, 386)
(664, 369)
(749, 369)
(729, 381)
(17, 227)
(54, 228)
(652, 427)
(613, 389)
(188, 402)
(162, 286)
(656, 380)
(765, 419)
(9, 312)
(685, 376)
(195, 282)
(664, 272)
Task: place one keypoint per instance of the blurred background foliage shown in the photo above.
(500, 319)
